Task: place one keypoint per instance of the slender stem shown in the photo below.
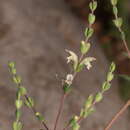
(60, 110)
(122, 110)
(34, 112)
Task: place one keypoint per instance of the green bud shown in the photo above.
(17, 126)
(66, 88)
(106, 86)
(18, 104)
(115, 10)
(17, 79)
(98, 97)
(76, 126)
(39, 116)
(88, 112)
(112, 67)
(22, 91)
(118, 22)
(29, 102)
(91, 18)
(89, 101)
(89, 32)
(110, 76)
(84, 47)
(93, 5)
(114, 2)
(11, 64)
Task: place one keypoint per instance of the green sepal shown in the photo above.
(17, 125)
(91, 18)
(66, 88)
(98, 97)
(93, 5)
(89, 32)
(18, 103)
(106, 86)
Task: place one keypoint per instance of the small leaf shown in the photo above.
(91, 18)
(89, 101)
(106, 86)
(39, 116)
(88, 111)
(18, 104)
(126, 77)
(84, 47)
(118, 22)
(76, 126)
(87, 62)
(18, 114)
(89, 32)
(93, 5)
(114, 2)
(110, 76)
(66, 88)
(115, 10)
(11, 64)
(73, 57)
(112, 67)
(29, 102)
(98, 97)
(17, 126)
(17, 79)
(22, 91)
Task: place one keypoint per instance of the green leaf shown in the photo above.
(106, 86)
(73, 57)
(76, 126)
(112, 67)
(91, 18)
(88, 111)
(84, 47)
(87, 62)
(98, 97)
(17, 126)
(126, 77)
(114, 2)
(66, 88)
(118, 22)
(89, 32)
(22, 91)
(29, 102)
(18, 104)
(11, 64)
(89, 101)
(17, 79)
(115, 10)
(18, 114)
(39, 116)
(110, 76)
(93, 5)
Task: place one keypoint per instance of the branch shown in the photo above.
(122, 110)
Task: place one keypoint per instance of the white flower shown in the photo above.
(69, 79)
(73, 57)
(87, 61)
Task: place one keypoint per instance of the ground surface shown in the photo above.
(35, 34)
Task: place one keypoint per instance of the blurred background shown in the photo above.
(35, 34)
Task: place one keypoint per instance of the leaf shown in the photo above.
(118, 22)
(93, 5)
(17, 126)
(110, 76)
(114, 2)
(98, 97)
(89, 101)
(87, 62)
(112, 67)
(29, 102)
(126, 77)
(18, 104)
(106, 86)
(89, 32)
(73, 57)
(91, 18)
(84, 47)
